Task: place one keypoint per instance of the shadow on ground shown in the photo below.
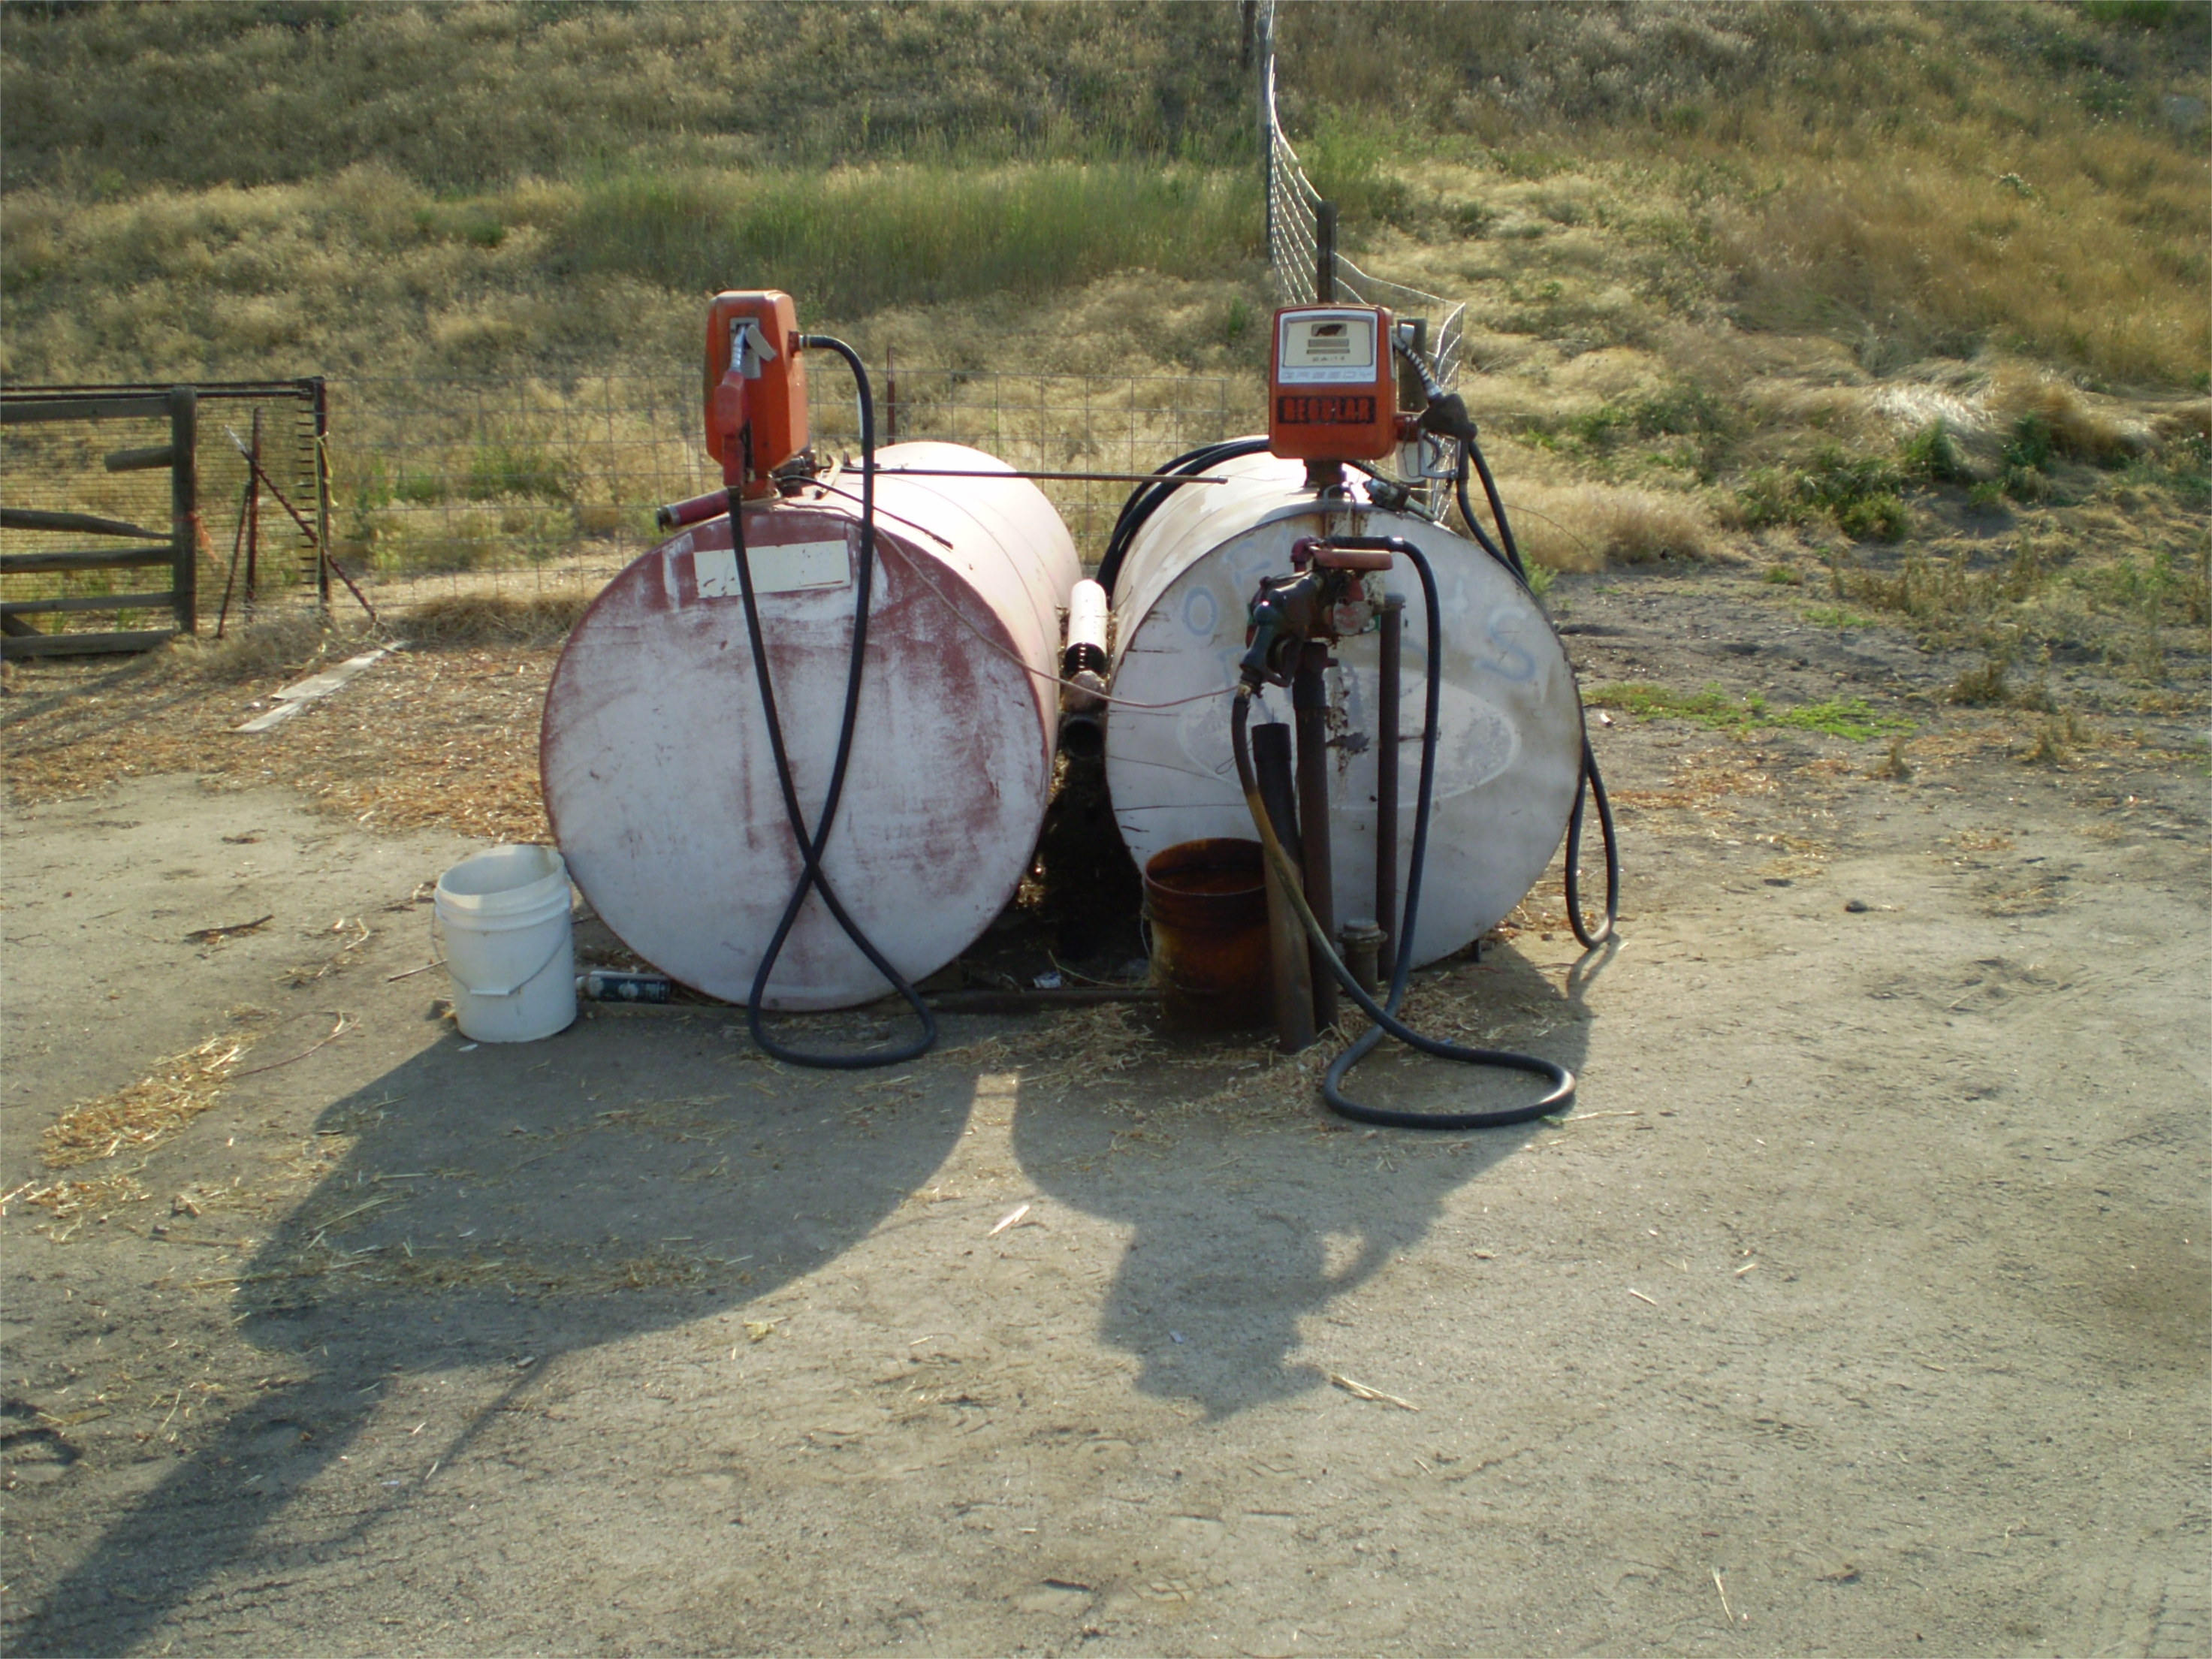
(1253, 1212)
(488, 1210)
(497, 1207)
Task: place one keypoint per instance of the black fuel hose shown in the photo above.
(810, 843)
(1384, 1015)
(1592, 788)
(1146, 498)
(1590, 785)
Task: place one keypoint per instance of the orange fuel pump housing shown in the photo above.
(756, 376)
(1331, 387)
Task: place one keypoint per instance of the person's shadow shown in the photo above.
(1255, 1210)
(499, 1207)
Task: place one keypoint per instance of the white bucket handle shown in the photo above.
(482, 991)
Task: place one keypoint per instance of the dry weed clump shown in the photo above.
(460, 619)
(286, 644)
(2080, 428)
(153, 1109)
(1589, 526)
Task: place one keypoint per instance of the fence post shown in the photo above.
(890, 395)
(184, 506)
(1325, 253)
(253, 518)
(1266, 102)
(322, 493)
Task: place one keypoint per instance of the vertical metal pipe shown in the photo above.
(1416, 331)
(1391, 649)
(184, 505)
(1325, 253)
(1286, 938)
(1310, 712)
(253, 518)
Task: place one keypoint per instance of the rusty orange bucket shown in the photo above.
(1207, 903)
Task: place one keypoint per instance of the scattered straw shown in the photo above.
(149, 1112)
(444, 739)
(67, 1199)
(1360, 1391)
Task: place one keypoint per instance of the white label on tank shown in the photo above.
(1324, 348)
(792, 568)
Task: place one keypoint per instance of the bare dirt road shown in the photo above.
(1859, 1306)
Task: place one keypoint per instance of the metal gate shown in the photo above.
(65, 477)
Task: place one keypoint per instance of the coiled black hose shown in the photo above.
(1385, 1014)
(810, 843)
(1146, 498)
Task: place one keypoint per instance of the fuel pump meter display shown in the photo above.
(1333, 392)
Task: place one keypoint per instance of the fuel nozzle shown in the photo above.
(1281, 619)
(1326, 597)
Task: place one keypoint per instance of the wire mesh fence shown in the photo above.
(484, 486)
(551, 482)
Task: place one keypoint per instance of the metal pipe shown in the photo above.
(1083, 663)
(1033, 472)
(1390, 652)
(1286, 942)
(1085, 650)
(679, 515)
(1361, 938)
(1310, 713)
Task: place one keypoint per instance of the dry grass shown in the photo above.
(155, 1109)
(2081, 427)
(286, 643)
(1589, 526)
(505, 619)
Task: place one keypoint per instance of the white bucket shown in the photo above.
(508, 944)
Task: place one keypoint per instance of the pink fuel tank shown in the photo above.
(655, 758)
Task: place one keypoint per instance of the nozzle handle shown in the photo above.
(676, 514)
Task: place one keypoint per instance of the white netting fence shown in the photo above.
(1293, 241)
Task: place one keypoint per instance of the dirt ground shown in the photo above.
(1861, 1305)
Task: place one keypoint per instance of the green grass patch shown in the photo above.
(1853, 718)
(1834, 615)
(854, 242)
(1932, 455)
(1850, 718)
(1858, 494)
(1711, 707)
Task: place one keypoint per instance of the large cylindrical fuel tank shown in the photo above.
(1510, 746)
(654, 754)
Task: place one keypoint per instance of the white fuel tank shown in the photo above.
(1509, 750)
(654, 752)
